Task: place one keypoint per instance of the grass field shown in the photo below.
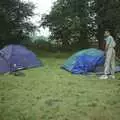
(49, 93)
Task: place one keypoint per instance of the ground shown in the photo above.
(50, 93)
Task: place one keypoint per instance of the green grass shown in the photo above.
(49, 93)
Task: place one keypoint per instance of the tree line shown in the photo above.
(72, 23)
(76, 22)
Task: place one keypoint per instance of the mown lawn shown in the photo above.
(49, 93)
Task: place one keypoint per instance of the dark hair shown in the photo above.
(108, 30)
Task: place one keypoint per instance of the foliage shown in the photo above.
(40, 38)
(68, 22)
(41, 42)
(75, 22)
(14, 24)
(107, 17)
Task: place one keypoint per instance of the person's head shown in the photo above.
(107, 33)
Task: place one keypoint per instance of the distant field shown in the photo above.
(49, 93)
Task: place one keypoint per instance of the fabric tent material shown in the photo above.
(16, 57)
(100, 70)
(84, 61)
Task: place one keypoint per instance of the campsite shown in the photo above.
(59, 60)
(50, 93)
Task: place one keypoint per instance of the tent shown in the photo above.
(84, 61)
(16, 57)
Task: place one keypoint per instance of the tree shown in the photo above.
(74, 22)
(107, 17)
(68, 22)
(14, 24)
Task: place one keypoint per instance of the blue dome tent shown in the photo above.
(84, 61)
(16, 57)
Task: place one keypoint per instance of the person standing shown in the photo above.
(109, 66)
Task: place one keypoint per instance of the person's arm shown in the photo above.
(108, 42)
(106, 46)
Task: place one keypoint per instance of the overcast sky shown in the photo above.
(42, 6)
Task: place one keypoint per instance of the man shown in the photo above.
(110, 56)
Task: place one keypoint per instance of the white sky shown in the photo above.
(42, 6)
